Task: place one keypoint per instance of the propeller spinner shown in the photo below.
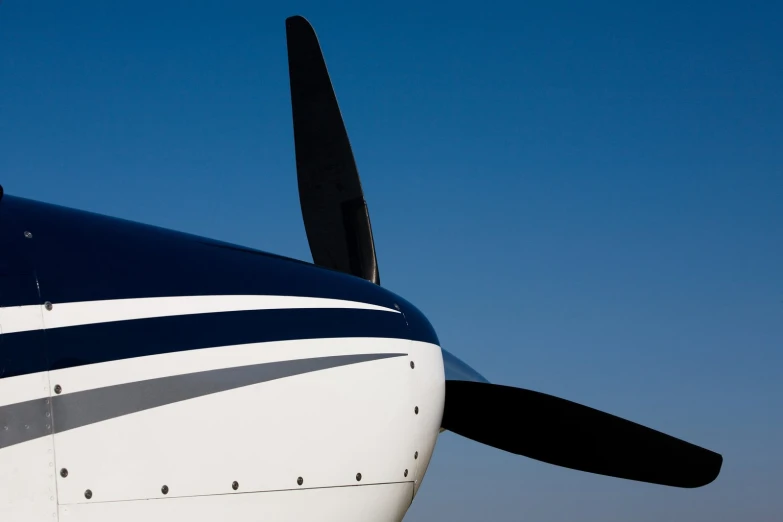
(523, 422)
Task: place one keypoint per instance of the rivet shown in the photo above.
(358, 477)
(416, 410)
(412, 365)
(299, 481)
(27, 426)
(406, 473)
(28, 235)
(63, 472)
(235, 485)
(48, 305)
(58, 388)
(416, 455)
(88, 494)
(164, 489)
(48, 414)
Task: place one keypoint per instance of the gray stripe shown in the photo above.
(27, 420)
(24, 421)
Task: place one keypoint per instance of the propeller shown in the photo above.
(335, 213)
(524, 422)
(564, 433)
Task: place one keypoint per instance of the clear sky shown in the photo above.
(585, 198)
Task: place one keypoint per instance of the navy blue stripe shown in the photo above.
(96, 343)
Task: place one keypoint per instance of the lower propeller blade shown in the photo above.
(335, 213)
(568, 434)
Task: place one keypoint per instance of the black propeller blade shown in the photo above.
(568, 434)
(335, 213)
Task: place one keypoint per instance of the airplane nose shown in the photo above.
(428, 387)
(419, 326)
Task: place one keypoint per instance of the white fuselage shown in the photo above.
(250, 432)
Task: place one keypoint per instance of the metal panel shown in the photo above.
(27, 483)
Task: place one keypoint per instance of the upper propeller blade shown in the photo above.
(335, 213)
(568, 434)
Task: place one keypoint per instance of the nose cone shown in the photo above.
(456, 370)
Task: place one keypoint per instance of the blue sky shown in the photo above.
(585, 198)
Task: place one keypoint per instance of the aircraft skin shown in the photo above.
(141, 364)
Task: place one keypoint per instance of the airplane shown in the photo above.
(148, 374)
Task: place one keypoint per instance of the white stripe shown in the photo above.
(15, 319)
(22, 388)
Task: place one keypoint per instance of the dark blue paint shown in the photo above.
(81, 256)
(420, 327)
(96, 343)
(27, 354)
